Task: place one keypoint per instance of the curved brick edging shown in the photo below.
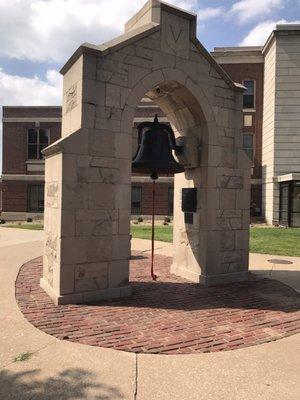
(171, 316)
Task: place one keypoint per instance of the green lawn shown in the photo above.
(28, 225)
(280, 241)
(163, 233)
(277, 241)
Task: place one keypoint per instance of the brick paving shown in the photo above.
(170, 316)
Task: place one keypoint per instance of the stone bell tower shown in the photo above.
(88, 171)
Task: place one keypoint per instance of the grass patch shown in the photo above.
(22, 357)
(276, 241)
(163, 233)
(30, 226)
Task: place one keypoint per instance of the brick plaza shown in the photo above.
(171, 316)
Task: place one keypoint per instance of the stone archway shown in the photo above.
(87, 204)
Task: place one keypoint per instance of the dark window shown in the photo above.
(295, 204)
(248, 97)
(38, 139)
(136, 200)
(248, 144)
(289, 204)
(36, 198)
(284, 208)
(170, 200)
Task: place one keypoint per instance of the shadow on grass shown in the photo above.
(70, 384)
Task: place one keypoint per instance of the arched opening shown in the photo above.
(186, 117)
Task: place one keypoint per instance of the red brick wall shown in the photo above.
(31, 112)
(15, 144)
(240, 72)
(14, 195)
(161, 198)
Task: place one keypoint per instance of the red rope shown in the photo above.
(154, 277)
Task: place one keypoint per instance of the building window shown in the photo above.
(36, 198)
(170, 200)
(248, 144)
(289, 204)
(248, 96)
(284, 207)
(248, 120)
(136, 200)
(295, 204)
(38, 139)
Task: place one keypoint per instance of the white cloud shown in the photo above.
(260, 33)
(42, 30)
(184, 4)
(248, 10)
(209, 13)
(21, 91)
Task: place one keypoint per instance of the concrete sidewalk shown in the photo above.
(11, 236)
(66, 371)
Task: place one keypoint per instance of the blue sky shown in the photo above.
(38, 36)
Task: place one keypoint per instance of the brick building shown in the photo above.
(271, 137)
(246, 66)
(27, 131)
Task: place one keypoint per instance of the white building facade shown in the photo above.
(271, 75)
(281, 127)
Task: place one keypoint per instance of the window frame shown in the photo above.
(253, 145)
(293, 185)
(37, 144)
(170, 212)
(140, 206)
(29, 188)
(253, 109)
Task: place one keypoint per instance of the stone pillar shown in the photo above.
(87, 213)
(214, 248)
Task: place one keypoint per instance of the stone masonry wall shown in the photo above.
(90, 240)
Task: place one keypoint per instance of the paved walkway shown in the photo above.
(11, 236)
(66, 371)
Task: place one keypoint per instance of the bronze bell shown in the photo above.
(154, 154)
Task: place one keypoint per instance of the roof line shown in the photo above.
(31, 106)
(112, 45)
(233, 85)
